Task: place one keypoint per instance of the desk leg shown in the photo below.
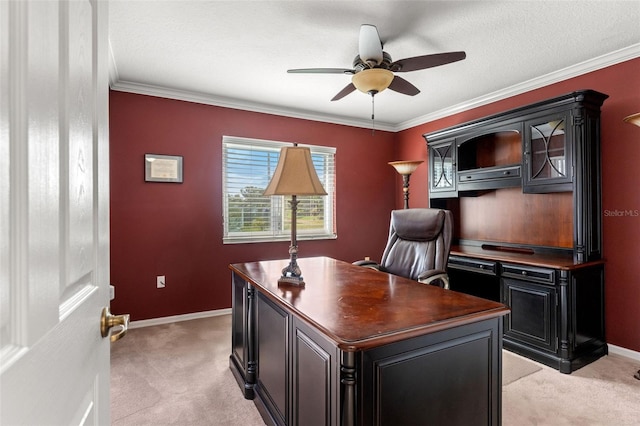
(348, 388)
(251, 340)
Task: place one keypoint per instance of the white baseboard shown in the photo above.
(618, 350)
(178, 318)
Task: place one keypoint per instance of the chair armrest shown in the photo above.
(367, 264)
(435, 277)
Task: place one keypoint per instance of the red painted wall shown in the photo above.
(620, 144)
(176, 229)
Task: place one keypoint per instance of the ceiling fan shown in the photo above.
(373, 69)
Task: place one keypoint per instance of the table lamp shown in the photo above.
(294, 175)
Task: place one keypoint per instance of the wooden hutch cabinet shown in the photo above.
(524, 188)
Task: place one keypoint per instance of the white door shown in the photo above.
(54, 223)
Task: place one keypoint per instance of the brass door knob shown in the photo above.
(107, 321)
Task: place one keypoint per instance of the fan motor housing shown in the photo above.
(359, 64)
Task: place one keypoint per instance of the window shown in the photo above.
(249, 216)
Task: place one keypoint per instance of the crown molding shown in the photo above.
(201, 98)
(585, 67)
(594, 64)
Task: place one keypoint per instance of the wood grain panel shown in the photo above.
(509, 216)
(505, 148)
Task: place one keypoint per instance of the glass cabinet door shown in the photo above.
(442, 168)
(547, 154)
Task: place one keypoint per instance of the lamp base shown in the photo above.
(295, 281)
(292, 274)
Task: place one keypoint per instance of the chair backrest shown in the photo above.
(419, 240)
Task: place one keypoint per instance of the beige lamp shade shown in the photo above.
(295, 174)
(633, 119)
(372, 80)
(406, 167)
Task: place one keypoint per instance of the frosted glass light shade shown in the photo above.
(372, 80)
(406, 167)
(295, 174)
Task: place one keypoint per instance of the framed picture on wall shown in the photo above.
(162, 168)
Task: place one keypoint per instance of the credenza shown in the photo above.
(557, 305)
(356, 346)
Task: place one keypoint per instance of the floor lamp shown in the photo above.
(405, 168)
(294, 175)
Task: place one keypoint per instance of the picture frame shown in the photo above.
(162, 168)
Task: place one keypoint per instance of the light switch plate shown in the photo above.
(160, 281)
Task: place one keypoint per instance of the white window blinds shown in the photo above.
(249, 216)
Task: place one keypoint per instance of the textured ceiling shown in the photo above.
(236, 53)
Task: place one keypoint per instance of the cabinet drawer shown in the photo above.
(474, 265)
(489, 173)
(529, 273)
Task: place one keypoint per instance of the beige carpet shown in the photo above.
(603, 393)
(178, 374)
(515, 367)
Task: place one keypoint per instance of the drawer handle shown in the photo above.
(524, 273)
(506, 172)
(481, 266)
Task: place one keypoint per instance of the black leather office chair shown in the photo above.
(418, 246)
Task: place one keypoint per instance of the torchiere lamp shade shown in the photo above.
(406, 167)
(633, 119)
(295, 174)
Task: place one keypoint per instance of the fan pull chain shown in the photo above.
(373, 119)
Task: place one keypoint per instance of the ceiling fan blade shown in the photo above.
(322, 71)
(370, 46)
(344, 92)
(400, 85)
(426, 61)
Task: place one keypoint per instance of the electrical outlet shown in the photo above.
(160, 281)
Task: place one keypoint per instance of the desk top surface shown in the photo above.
(359, 308)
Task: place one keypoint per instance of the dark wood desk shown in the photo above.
(358, 347)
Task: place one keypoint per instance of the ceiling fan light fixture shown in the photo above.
(373, 80)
